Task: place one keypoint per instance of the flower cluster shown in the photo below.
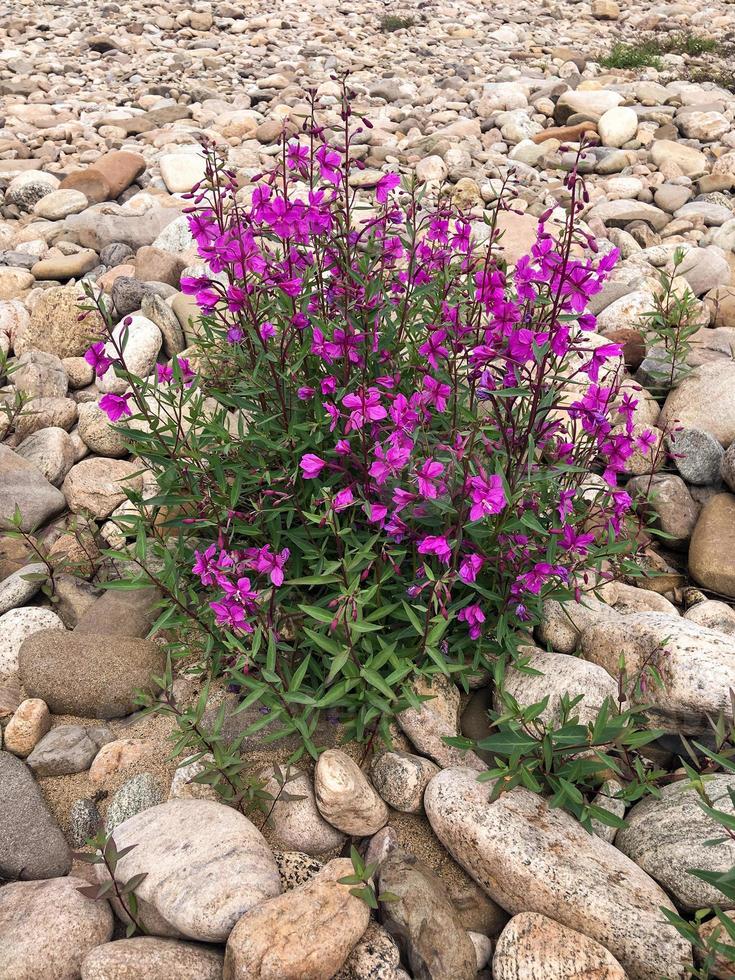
(434, 434)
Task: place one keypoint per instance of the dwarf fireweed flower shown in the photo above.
(115, 406)
(424, 437)
(98, 359)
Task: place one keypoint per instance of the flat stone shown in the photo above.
(696, 665)
(704, 400)
(59, 204)
(181, 171)
(623, 212)
(669, 836)
(109, 176)
(534, 947)
(692, 162)
(20, 586)
(55, 325)
(31, 844)
(24, 486)
(206, 866)
(531, 858)
(129, 612)
(51, 450)
(98, 434)
(64, 750)
(85, 674)
(697, 455)
(149, 958)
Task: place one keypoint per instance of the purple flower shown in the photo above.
(385, 186)
(436, 544)
(470, 566)
(342, 500)
(229, 613)
(98, 359)
(263, 560)
(209, 565)
(474, 617)
(488, 496)
(311, 465)
(305, 393)
(267, 331)
(115, 406)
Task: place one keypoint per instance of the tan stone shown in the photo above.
(27, 727)
(114, 756)
(108, 178)
(344, 796)
(712, 548)
(151, 958)
(565, 134)
(305, 934)
(534, 947)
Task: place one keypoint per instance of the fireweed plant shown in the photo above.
(387, 447)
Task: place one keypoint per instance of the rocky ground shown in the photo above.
(101, 107)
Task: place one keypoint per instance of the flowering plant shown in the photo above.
(388, 445)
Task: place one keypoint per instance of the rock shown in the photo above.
(512, 847)
(13, 282)
(306, 932)
(27, 189)
(83, 675)
(206, 865)
(64, 267)
(134, 796)
(97, 486)
(670, 505)
(64, 750)
(296, 823)
(84, 822)
(714, 615)
(20, 586)
(375, 957)
(15, 626)
(160, 313)
(712, 932)
(592, 103)
(97, 433)
(97, 230)
(22, 485)
(424, 922)
(153, 264)
(691, 161)
(182, 171)
(669, 836)
(48, 927)
(703, 126)
(149, 958)
(78, 371)
(115, 755)
(562, 624)
(696, 665)
(110, 175)
(533, 947)
(142, 342)
(344, 796)
(618, 125)
(55, 326)
(31, 844)
(51, 451)
(436, 719)
(42, 413)
(38, 374)
(705, 269)
(697, 455)
(704, 400)
(559, 675)
(296, 868)
(400, 778)
(727, 466)
(712, 548)
(131, 612)
(58, 204)
(26, 728)
(605, 10)
(622, 212)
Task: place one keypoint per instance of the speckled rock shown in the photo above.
(375, 957)
(98, 434)
(15, 626)
(296, 868)
(667, 836)
(306, 932)
(297, 824)
(428, 725)
(134, 796)
(562, 625)
(400, 778)
(55, 326)
(344, 796)
(24, 486)
(97, 486)
(75, 674)
(534, 947)
(713, 614)
(696, 665)
(48, 927)
(20, 586)
(150, 958)
(206, 865)
(51, 450)
(512, 847)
